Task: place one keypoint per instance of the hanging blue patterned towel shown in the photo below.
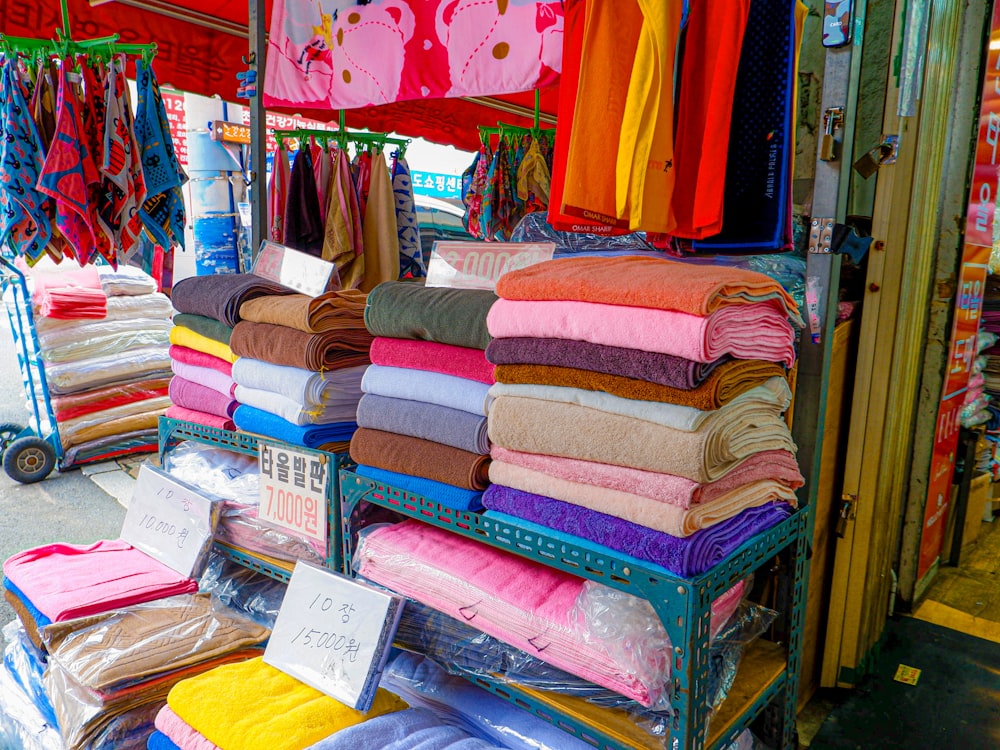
(411, 261)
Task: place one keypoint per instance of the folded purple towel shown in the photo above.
(685, 556)
(191, 395)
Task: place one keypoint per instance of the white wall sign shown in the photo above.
(478, 265)
(334, 634)
(169, 521)
(293, 490)
(297, 270)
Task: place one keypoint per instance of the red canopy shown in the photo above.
(201, 51)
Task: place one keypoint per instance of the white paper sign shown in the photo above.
(334, 634)
(293, 490)
(297, 270)
(169, 520)
(478, 265)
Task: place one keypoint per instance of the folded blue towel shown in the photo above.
(412, 729)
(40, 620)
(159, 741)
(261, 422)
(449, 495)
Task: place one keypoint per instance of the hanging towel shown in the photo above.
(200, 359)
(411, 259)
(420, 458)
(24, 223)
(408, 310)
(687, 556)
(293, 411)
(94, 118)
(303, 228)
(162, 212)
(184, 414)
(338, 229)
(336, 387)
(260, 422)
(199, 397)
(185, 337)
(419, 419)
(431, 387)
(253, 706)
(323, 172)
(756, 331)
(281, 345)
(639, 281)
(448, 495)
(208, 327)
(277, 195)
(381, 238)
(220, 296)
(204, 376)
(458, 361)
(68, 174)
(341, 310)
(180, 732)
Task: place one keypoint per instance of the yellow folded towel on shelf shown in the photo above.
(253, 706)
(184, 336)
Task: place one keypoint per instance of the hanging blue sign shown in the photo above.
(436, 184)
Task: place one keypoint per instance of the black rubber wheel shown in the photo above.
(29, 459)
(8, 432)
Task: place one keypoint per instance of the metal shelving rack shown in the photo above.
(770, 672)
(173, 431)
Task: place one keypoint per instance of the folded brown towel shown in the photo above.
(723, 384)
(26, 618)
(420, 458)
(328, 312)
(281, 345)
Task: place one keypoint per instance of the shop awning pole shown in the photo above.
(258, 122)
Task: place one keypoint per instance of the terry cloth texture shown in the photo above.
(558, 429)
(181, 336)
(207, 327)
(726, 382)
(134, 643)
(199, 397)
(656, 514)
(180, 732)
(200, 359)
(260, 422)
(754, 331)
(420, 458)
(431, 387)
(448, 495)
(520, 601)
(685, 556)
(639, 281)
(663, 369)
(408, 310)
(459, 361)
(293, 411)
(253, 706)
(331, 311)
(281, 345)
(200, 417)
(668, 488)
(25, 614)
(220, 296)
(70, 580)
(205, 376)
(337, 387)
(459, 429)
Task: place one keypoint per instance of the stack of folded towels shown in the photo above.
(201, 358)
(301, 360)
(639, 405)
(422, 420)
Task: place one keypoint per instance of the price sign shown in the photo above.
(297, 270)
(334, 634)
(293, 490)
(169, 521)
(478, 265)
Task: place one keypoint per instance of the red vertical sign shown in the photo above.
(173, 103)
(968, 305)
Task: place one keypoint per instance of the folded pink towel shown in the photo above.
(206, 376)
(668, 488)
(184, 414)
(754, 331)
(460, 361)
(192, 395)
(64, 581)
(201, 359)
(180, 732)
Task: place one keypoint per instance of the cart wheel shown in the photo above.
(8, 433)
(29, 459)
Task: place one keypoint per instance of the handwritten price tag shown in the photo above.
(334, 634)
(478, 265)
(169, 520)
(296, 270)
(293, 490)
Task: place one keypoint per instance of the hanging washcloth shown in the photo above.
(323, 170)
(277, 194)
(65, 176)
(43, 102)
(94, 118)
(303, 229)
(162, 212)
(534, 179)
(411, 261)
(24, 224)
(123, 186)
(363, 177)
(338, 232)
(381, 239)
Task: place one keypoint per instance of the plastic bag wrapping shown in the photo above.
(238, 525)
(125, 280)
(109, 343)
(96, 425)
(26, 665)
(134, 441)
(119, 308)
(985, 340)
(125, 647)
(22, 726)
(535, 228)
(254, 594)
(94, 372)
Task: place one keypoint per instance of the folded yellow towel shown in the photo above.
(184, 336)
(253, 706)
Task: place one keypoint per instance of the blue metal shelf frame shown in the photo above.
(173, 431)
(683, 604)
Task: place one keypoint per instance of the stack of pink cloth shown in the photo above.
(69, 292)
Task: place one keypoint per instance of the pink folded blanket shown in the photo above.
(201, 359)
(64, 581)
(180, 732)
(184, 414)
(668, 488)
(192, 395)
(644, 511)
(460, 361)
(753, 331)
(206, 376)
